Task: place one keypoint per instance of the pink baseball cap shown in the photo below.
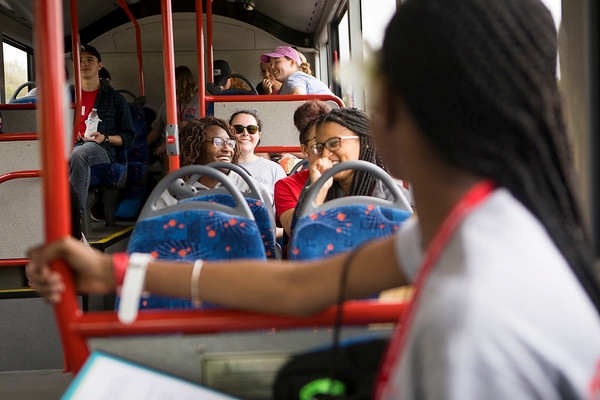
(281, 51)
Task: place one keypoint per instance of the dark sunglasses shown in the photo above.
(251, 129)
(218, 142)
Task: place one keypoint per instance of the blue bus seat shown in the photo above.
(137, 157)
(187, 231)
(131, 197)
(345, 223)
(262, 212)
(106, 179)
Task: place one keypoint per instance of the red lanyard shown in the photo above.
(465, 205)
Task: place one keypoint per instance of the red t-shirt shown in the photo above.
(287, 192)
(87, 103)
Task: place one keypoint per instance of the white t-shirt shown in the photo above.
(266, 172)
(501, 315)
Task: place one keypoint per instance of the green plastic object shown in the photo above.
(322, 386)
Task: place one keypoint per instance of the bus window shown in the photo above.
(16, 69)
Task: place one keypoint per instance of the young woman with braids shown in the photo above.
(344, 135)
(506, 302)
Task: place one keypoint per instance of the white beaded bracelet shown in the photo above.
(131, 291)
(196, 302)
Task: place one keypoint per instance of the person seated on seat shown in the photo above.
(221, 76)
(206, 140)
(248, 129)
(186, 92)
(268, 85)
(288, 189)
(1, 122)
(285, 67)
(115, 128)
(344, 135)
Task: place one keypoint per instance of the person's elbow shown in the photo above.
(298, 90)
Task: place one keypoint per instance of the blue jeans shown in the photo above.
(82, 158)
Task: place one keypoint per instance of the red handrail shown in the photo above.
(18, 137)
(12, 262)
(274, 97)
(200, 54)
(209, 41)
(75, 52)
(360, 312)
(171, 95)
(49, 39)
(34, 173)
(138, 41)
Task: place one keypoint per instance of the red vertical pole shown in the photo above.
(209, 41)
(138, 42)
(171, 99)
(200, 54)
(76, 71)
(48, 36)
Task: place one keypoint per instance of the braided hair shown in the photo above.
(193, 135)
(482, 86)
(363, 183)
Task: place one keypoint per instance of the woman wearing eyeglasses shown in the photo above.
(203, 141)
(344, 135)
(248, 130)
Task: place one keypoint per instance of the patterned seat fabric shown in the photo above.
(137, 157)
(192, 234)
(260, 212)
(342, 228)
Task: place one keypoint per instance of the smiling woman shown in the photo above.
(248, 129)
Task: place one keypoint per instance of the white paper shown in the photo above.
(106, 377)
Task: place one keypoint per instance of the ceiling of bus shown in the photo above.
(294, 22)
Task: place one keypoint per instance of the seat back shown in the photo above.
(137, 156)
(187, 231)
(343, 224)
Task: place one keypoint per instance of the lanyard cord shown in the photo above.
(473, 197)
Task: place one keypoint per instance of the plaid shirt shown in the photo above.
(114, 112)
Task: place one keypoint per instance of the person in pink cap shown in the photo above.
(285, 68)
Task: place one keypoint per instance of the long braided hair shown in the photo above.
(193, 135)
(357, 121)
(480, 78)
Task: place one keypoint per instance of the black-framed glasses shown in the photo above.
(251, 129)
(219, 142)
(332, 144)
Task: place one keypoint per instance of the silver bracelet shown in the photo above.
(196, 302)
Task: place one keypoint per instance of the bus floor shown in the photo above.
(34, 385)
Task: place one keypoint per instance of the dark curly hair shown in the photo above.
(357, 121)
(193, 135)
(481, 84)
(308, 112)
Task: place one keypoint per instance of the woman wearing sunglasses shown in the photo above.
(206, 140)
(248, 130)
(344, 135)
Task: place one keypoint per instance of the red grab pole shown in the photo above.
(48, 34)
(171, 96)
